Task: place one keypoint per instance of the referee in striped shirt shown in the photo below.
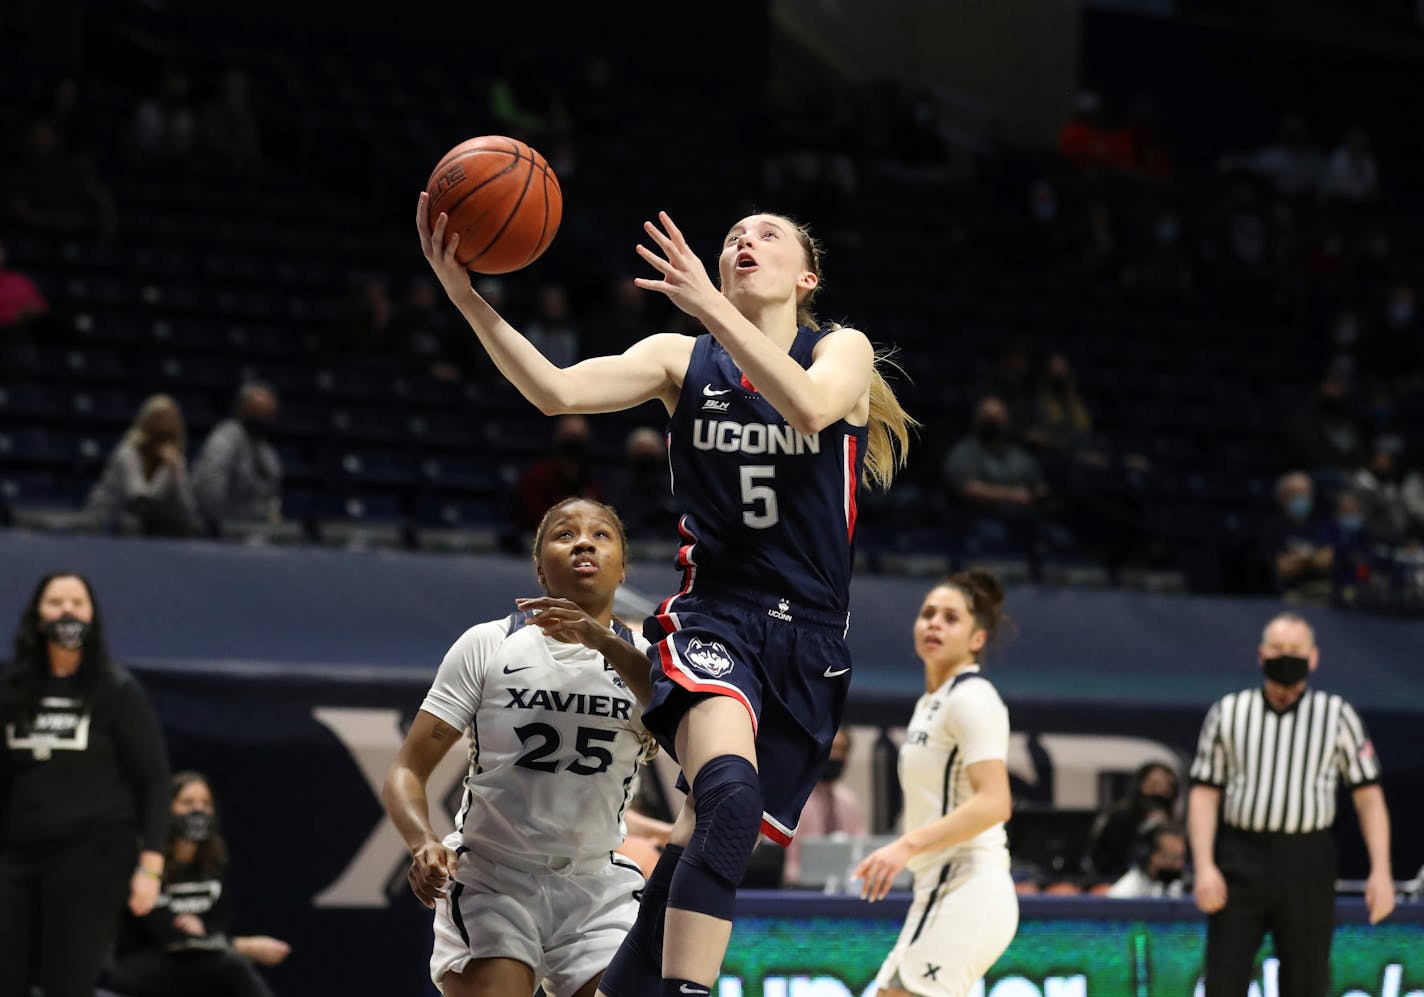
(1265, 855)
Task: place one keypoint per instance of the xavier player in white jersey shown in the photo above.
(528, 888)
(955, 780)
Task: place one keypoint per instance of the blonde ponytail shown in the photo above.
(888, 434)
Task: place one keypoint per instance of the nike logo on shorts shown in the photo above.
(711, 392)
(511, 671)
(685, 989)
(830, 674)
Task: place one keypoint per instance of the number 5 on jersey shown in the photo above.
(759, 509)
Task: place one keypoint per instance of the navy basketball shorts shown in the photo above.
(788, 665)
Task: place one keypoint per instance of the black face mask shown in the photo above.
(258, 429)
(572, 449)
(991, 431)
(196, 826)
(1155, 801)
(832, 770)
(67, 632)
(1167, 876)
(1286, 669)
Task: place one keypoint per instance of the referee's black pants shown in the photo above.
(60, 905)
(1281, 883)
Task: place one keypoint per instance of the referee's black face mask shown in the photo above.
(1286, 669)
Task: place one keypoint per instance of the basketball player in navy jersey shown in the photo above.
(955, 780)
(773, 423)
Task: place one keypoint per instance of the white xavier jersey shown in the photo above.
(555, 741)
(962, 722)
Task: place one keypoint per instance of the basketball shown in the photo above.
(503, 200)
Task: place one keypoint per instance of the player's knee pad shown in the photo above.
(727, 795)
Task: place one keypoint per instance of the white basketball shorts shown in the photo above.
(961, 919)
(564, 920)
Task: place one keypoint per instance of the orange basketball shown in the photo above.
(503, 200)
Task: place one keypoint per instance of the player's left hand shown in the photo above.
(1379, 896)
(563, 619)
(143, 893)
(877, 871)
(685, 280)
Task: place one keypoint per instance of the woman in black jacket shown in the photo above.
(182, 946)
(83, 796)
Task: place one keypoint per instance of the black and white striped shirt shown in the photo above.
(1279, 770)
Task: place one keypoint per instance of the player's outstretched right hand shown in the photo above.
(432, 870)
(440, 251)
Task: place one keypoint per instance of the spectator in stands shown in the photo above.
(1087, 140)
(522, 99)
(52, 190)
(1350, 546)
(1351, 174)
(1160, 862)
(562, 474)
(361, 326)
(230, 129)
(1154, 796)
(237, 477)
(596, 102)
(1379, 483)
(1100, 257)
(625, 320)
(83, 794)
(61, 106)
(1061, 423)
(1151, 150)
(165, 125)
(183, 945)
(552, 331)
(425, 339)
(1044, 237)
(1326, 436)
(145, 487)
(999, 481)
(1412, 495)
(1010, 378)
(1295, 551)
(641, 491)
(21, 302)
(1165, 266)
(832, 808)
(1392, 351)
(1290, 166)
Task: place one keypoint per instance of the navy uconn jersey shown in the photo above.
(764, 506)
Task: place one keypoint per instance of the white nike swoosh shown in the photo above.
(712, 392)
(830, 674)
(685, 989)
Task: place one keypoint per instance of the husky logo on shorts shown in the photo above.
(709, 656)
